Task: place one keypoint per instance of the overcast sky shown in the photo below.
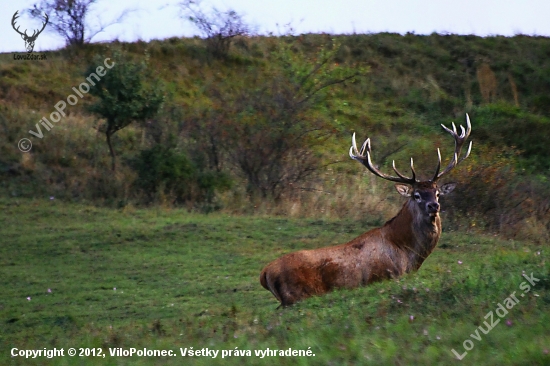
(160, 19)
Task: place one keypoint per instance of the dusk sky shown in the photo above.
(160, 19)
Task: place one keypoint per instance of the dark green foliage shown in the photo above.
(124, 95)
(505, 125)
(165, 170)
(210, 182)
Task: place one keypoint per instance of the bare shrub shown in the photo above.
(70, 19)
(269, 123)
(219, 27)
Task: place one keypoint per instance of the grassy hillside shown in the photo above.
(233, 135)
(74, 275)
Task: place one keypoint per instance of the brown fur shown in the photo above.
(400, 246)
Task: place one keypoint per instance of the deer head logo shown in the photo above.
(29, 40)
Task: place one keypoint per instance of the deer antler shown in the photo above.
(43, 26)
(25, 35)
(459, 141)
(360, 156)
(15, 16)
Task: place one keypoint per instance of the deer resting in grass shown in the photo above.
(400, 246)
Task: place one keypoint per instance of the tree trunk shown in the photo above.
(113, 156)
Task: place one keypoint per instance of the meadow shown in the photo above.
(77, 275)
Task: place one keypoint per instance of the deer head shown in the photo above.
(29, 40)
(424, 193)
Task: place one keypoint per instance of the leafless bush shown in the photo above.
(267, 127)
(69, 19)
(219, 27)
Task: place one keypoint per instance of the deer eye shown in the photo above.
(416, 196)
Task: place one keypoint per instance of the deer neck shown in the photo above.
(414, 234)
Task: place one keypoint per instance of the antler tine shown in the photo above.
(397, 171)
(353, 146)
(413, 178)
(363, 156)
(467, 152)
(448, 129)
(438, 165)
(459, 141)
(45, 23)
(15, 16)
(412, 169)
(366, 145)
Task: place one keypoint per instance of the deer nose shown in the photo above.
(433, 207)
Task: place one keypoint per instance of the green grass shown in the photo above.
(190, 280)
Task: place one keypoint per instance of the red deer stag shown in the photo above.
(400, 246)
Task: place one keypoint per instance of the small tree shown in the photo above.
(219, 28)
(68, 18)
(124, 97)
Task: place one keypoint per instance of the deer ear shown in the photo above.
(403, 190)
(446, 188)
